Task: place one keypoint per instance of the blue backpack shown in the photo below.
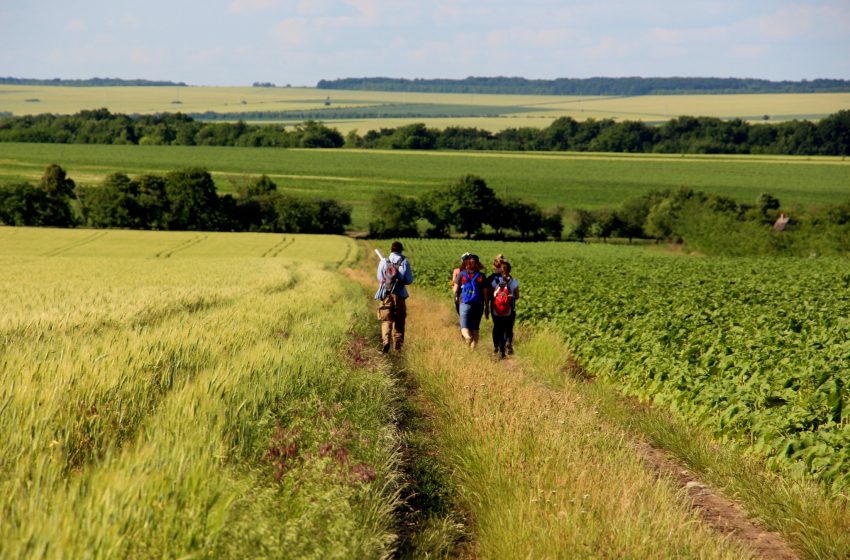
(470, 288)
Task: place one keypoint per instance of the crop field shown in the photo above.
(570, 180)
(163, 394)
(386, 109)
(755, 350)
(177, 394)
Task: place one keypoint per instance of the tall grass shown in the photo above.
(190, 407)
(540, 473)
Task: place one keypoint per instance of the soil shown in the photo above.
(723, 515)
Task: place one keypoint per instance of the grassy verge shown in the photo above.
(814, 521)
(540, 474)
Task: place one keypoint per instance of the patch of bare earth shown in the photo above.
(723, 515)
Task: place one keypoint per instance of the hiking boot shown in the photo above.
(496, 350)
(510, 348)
(386, 347)
(397, 346)
(502, 355)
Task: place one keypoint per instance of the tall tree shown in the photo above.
(193, 201)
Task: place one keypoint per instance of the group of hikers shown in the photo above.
(475, 293)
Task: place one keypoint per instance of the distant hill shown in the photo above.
(90, 82)
(588, 86)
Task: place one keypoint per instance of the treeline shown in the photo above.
(103, 127)
(468, 207)
(184, 199)
(90, 82)
(588, 86)
(702, 135)
(718, 225)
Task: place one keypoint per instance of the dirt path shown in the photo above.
(541, 474)
(723, 515)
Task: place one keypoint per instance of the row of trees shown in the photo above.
(103, 127)
(829, 136)
(465, 206)
(587, 86)
(713, 224)
(88, 82)
(704, 135)
(185, 199)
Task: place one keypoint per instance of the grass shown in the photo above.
(195, 404)
(812, 519)
(23, 100)
(571, 180)
(540, 475)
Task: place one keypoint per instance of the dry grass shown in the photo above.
(542, 475)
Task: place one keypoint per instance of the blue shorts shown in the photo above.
(470, 316)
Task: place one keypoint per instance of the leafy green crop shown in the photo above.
(755, 349)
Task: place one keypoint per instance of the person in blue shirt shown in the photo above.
(470, 289)
(394, 275)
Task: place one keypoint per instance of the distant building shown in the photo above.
(781, 222)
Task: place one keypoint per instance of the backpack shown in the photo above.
(470, 288)
(503, 298)
(391, 277)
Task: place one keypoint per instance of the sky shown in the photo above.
(298, 42)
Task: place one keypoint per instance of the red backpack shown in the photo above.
(503, 298)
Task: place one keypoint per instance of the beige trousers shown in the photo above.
(393, 331)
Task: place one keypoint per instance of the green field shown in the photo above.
(490, 112)
(752, 349)
(196, 394)
(571, 180)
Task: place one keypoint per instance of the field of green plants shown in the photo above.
(178, 394)
(755, 350)
(550, 179)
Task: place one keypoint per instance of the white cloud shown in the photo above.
(147, 56)
(248, 6)
(292, 31)
(75, 25)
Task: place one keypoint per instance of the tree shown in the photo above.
(471, 201)
(259, 186)
(193, 201)
(314, 134)
(553, 223)
(112, 205)
(834, 132)
(414, 137)
(152, 201)
(56, 183)
(524, 217)
(606, 224)
(393, 216)
(21, 204)
(582, 222)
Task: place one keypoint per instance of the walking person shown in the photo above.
(470, 290)
(504, 293)
(394, 275)
(455, 275)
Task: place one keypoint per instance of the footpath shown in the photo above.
(531, 470)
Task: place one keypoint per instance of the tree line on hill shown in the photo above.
(89, 82)
(704, 135)
(588, 86)
(184, 199)
(718, 225)
(465, 207)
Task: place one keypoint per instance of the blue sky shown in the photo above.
(298, 42)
